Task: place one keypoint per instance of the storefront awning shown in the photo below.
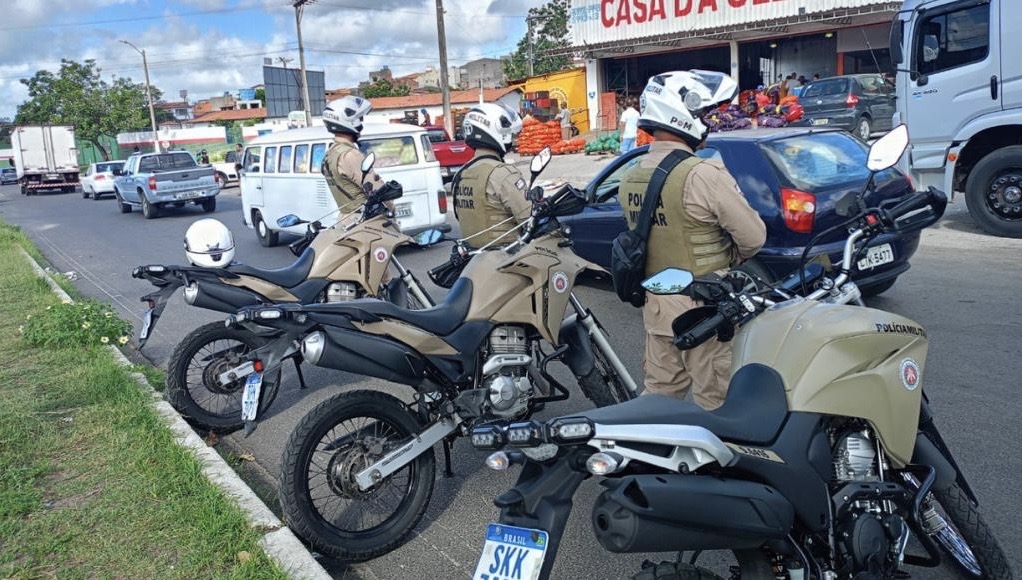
(598, 32)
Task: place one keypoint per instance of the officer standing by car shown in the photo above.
(342, 166)
(487, 191)
(703, 224)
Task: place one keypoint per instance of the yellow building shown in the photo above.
(567, 86)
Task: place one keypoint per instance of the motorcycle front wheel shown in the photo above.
(602, 385)
(953, 521)
(192, 385)
(318, 494)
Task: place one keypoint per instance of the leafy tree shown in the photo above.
(260, 95)
(382, 87)
(77, 95)
(550, 31)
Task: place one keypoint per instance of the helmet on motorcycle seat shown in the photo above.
(491, 126)
(346, 115)
(676, 101)
(209, 244)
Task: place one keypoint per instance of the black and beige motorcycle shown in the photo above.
(205, 378)
(823, 461)
(358, 470)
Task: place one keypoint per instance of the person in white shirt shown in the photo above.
(630, 127)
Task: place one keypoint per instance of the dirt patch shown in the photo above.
(76, 501)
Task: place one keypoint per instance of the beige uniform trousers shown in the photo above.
(670, 371)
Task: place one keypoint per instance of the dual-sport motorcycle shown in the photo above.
(823, 461)
(205, 378)
(358, 470)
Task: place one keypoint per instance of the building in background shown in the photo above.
(430, 78)
(399, 109)
(566, 86)
(756, 42)
(240, 115)
(485, 72)
(181, 110)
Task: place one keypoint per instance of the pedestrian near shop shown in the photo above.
(565, 117)
(699, 221)
(629, 127)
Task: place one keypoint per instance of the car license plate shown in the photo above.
(147, 325)
(511, 553)
(821, 121)
(877, 256)
(403, 210)
(250, 398)
(189, 194)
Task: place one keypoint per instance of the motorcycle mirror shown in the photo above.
(367, 163)
(668, 281)
(289, 220)
(540, 161)
(428, 237)
(887, 150)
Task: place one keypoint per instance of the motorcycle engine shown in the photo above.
(341, 292)
(506, 372)
(854, 458)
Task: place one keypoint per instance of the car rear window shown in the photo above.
(391, 151)
(436, 136)
(107, 167)
(8, 170)
(819, 161)
(826, 88)
(166, 162)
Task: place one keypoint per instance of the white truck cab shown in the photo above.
(959, 88)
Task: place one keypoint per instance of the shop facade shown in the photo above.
(758, 42)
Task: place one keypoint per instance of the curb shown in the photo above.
(278, 541)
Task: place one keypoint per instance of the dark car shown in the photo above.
(8, 175)
(792, 177)
(860, 104)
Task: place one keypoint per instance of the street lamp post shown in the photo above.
(148, 94)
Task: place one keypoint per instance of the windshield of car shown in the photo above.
(826, 88)
(391, 151)
(436, 136)
(8, 170)
(820, 161)
(108, 167)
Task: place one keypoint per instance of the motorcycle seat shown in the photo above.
(753, 411)
(287, 277)
(440, 320)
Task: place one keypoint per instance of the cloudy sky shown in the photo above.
(210, 46)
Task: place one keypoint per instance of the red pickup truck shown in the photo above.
(451, 154)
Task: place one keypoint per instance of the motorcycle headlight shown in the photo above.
(488, 437)
(570, 429)
(526, 434)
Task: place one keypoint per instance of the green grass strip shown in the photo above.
(92, 485)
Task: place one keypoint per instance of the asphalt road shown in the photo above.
(962, 288)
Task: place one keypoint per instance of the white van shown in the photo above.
(281, 175)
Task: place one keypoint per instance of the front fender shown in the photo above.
(579, 355)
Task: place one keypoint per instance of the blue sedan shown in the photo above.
(792, 177)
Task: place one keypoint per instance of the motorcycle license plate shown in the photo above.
(147, 325)
(878, 256)
(250, 398)
(511, 553)
(403, 210)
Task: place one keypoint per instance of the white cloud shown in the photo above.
(191, 54)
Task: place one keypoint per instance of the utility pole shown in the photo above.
(148, 96)
(299, 8)
(445, 88)
(528, 24)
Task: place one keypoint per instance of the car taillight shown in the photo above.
(851, 101)
(441, 200)
(152, 183)
(798, 209)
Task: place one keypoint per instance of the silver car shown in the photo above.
(99, 179)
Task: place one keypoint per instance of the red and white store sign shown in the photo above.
(599, 21)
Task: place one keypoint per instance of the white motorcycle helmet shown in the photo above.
(346, 115)
(676, 102)
(491, 126)
(209, 244)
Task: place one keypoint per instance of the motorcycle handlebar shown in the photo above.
(916, 201)
(700, 333)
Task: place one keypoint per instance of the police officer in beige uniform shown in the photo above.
(488, 192)
(703, 224)
(342, 166)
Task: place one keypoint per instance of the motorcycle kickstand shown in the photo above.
(448, 472)
(301, 377)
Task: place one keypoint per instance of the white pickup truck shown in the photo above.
(156, 180)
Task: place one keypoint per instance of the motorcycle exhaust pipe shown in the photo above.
(364, 354)
(661, 513)
(219, 297)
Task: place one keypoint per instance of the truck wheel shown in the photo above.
(149, 211)
(994, 192)
(125, 208)
(209, 205)
(267, 237)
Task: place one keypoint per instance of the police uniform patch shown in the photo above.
(520, 185)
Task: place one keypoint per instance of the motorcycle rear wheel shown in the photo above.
(675, 571)
(196, 361)
(318, 467)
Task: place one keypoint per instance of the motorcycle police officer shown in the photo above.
(342, 166)
(703, 224)
(487, 191)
